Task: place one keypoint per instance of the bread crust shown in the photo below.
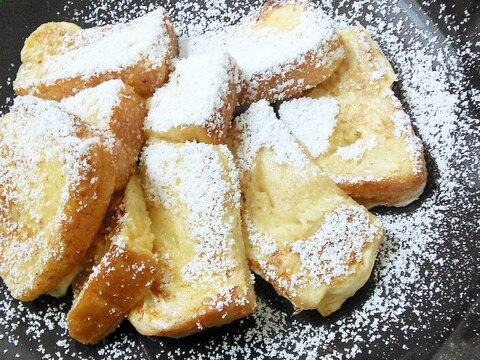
(203, 278)
(123, 121)
(143, 76)
(56, 255)
(212, 129)
(361, 87)
(118, 272)
(291, 79)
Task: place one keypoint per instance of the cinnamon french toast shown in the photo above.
(119, 269)
(283, 49)
(194, 204)
(303, 234)
(117, 110)
(60, 59)
(55, 185)
(356, 130)
(198, 101)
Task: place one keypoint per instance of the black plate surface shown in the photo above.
(421, 301)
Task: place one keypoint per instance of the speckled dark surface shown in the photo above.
(457, 338)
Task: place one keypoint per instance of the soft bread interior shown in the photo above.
(303, 234)
(203, 277)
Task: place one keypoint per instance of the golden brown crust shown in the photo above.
(303, 75)
(117, 272)
(294, 78)
(127, 126)
(80, 219)
(143, 76)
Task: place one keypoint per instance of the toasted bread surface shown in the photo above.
(356, 129)
(56, 183)
(203, 278)
(119, 112)
(198, 101)
(119, 271)
(60, 59)
(283, 49)
(303, 234)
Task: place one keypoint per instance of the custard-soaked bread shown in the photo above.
(198, 101)
(119, 271)
(357, 131)
(55, 185)
(303, 234)
(117, 110)
(60, 59)
(283, 49)
(194, 204)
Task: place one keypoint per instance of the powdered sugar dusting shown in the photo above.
(258, 128)
(424, 279)
(194, 95)
(101, 50)
(311, 121)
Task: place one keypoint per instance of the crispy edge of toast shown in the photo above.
(141, 76)
(122, 274)
(83, 212)
(296, 77)
(203, 133)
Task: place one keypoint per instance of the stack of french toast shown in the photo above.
(125, 175)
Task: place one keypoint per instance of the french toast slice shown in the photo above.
(303, 234)
(60, 59)
(282, 50)
(198, 101)
(55, 185)
(194, 204)
(116, 109)
(119, 270)
(356, 130)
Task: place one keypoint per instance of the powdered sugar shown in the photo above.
(311, 121)
(103, 50)
(197, 90)
(425, 276)
(259, 128)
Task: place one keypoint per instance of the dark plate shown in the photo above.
(421, 301)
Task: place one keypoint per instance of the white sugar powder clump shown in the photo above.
(311, 121)
(196, 91)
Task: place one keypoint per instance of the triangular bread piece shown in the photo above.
(356, 130)
(303, 234)
(55, 185)
(120, 267)
(60, 59)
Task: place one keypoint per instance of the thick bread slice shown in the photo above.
(117, 110)
(283, 49)
(303, 234)
(55, 185)
(194, 204)
(60, 59)
(357, 130)
(198, 101)
(119, 271)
